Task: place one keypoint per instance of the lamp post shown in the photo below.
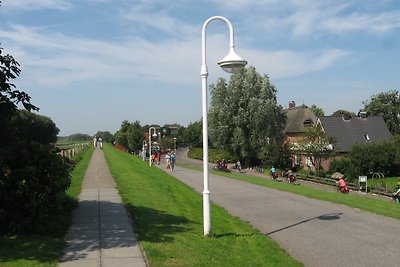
(175, 143)
(232, 63)
(154, 135)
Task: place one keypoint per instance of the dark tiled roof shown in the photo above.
(296, 118)
(354, 131)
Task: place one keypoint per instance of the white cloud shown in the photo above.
(283, 64)
(375, 23)
(38, 4)
(59, 60)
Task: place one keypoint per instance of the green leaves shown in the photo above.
(387, 105)
(244, 117)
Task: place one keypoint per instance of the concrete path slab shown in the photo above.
(101, 233)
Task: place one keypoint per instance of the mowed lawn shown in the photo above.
(167, 216)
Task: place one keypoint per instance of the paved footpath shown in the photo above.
(101, 233)
(317, 233)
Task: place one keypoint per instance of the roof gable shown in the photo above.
(354, 131)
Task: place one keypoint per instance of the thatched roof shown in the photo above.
(298, 119)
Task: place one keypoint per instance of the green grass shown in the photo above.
(35, 250)
(378, 206)
(390, 182)
(167, 216)
(78, 173)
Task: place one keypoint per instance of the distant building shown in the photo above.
(346, 131)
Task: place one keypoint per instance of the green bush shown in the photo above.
(33, 176)
(213, 155)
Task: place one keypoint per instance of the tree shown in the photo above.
(364, 159)
(317, 111)
(387, 105)
(78, 137)
(33, 178)
(130, 135)
(106, 136)
(344, 113)
(121, 136)
(193, 135)
(316, 144)
(10, 97)
(135, 136)
(245, 118)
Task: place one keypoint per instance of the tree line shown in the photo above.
(246, 121)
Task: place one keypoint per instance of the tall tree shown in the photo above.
(345, 113)
(135, 136)
(193, 135)
(10, 97)
(121, 136)
(33, 178)
(387, 105)
(130, 135)
(319, 112)
(245, 118)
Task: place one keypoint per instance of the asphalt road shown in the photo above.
(317, 233)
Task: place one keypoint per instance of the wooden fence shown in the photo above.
(74, 149)
(332, 182)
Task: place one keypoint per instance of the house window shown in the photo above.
(366, 136)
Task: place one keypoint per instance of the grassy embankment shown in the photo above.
(167, 216)
(378, 206)
(43, 251)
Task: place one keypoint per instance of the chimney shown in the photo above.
(292, 104)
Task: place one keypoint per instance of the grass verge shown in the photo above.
(167, 216)
(378, 206)
(43, 251)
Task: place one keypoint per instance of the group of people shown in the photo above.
(169, 159)
(156, 157)
(98, 141)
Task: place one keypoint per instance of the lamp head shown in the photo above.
(154, 135)
(232, 63)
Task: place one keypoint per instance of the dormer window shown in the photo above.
(366, 136)
(307, 123)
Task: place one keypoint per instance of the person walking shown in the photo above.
(172, 163)
(238, 166)
(168, 161)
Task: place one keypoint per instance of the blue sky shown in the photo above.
(90, 64)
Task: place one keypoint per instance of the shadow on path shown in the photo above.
(324, 217)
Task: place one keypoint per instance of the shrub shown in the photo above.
(33, 177)
(213, 155)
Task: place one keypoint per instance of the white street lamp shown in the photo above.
(232, 63)
(154, 135)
